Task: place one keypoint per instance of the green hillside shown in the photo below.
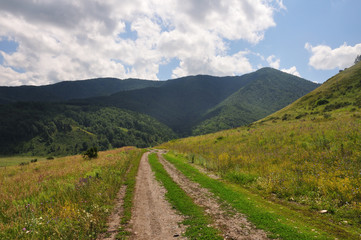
(213, 102)
(267, 91)
(306, 155)
(337, 96)
(177, 103)
(42, 129)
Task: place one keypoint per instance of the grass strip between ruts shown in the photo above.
(196, 220)
(278, 226)
(130, 180)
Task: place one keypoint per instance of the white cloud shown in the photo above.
(325, 58)
(273, 61)
(65, 40)
(292, 70)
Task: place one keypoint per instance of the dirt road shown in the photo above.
(152, 217)
(233, 225)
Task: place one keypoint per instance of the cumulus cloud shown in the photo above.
(325, 58)
(65, 40)
(291, 70)
(274, 62)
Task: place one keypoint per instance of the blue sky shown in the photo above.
(43, 42)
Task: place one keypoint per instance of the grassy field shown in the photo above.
(16, 160)
(318, 165)
(308, 153)
(284, 221)
(66, 198)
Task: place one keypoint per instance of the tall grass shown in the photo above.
(67, 198)
(313, 162)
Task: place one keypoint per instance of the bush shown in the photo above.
(91, 153)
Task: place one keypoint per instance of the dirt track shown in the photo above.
(233, 226)
(152, 217)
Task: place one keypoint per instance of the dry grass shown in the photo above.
(62, 198)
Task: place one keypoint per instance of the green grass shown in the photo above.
(130, 180)
(196, 219)
(281, 221)
(16, 160)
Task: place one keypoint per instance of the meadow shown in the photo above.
(17, 160)
(64, 198)
(314, 162)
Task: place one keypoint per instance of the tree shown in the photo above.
(358, 59)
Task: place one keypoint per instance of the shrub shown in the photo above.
(322, 102)
(91, 153)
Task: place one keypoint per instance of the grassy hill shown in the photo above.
(337, 96)
(307, 153)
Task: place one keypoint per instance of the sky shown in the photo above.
(47, 41)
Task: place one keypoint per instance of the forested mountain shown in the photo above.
(267, 91)
(203, 104)
(177, 103)
(59, 129)
(67, 117)
(72, 90)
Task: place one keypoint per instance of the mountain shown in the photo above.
(66, 90)
(66, 117)
(177, 103)
(267, 90)
(201, 104)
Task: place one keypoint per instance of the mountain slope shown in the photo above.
(177, 103)
(183, 103)
(338, 94)
(58, 129)
(267, 91)
(63, 91)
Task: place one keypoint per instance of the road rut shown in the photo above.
(233, 226)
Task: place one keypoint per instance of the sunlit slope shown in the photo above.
(268, 91)
(308, 152)
(339, 94)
